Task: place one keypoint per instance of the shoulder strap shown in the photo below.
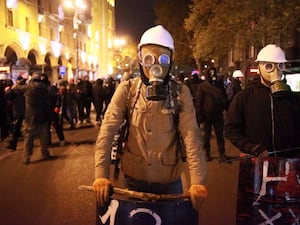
(133, 95)
(174, 90)
(174, 93)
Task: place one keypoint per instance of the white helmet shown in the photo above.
(237, 73)
(157, 35)
(271, 53)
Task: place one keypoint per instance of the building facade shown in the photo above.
(63, 41)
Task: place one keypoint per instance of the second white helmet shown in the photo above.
(237, 73)
(271, 53)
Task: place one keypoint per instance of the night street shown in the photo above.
(46, 192)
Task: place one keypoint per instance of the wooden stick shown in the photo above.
(141, 195)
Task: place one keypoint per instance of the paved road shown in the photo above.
(46, 192)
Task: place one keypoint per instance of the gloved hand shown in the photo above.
(198, 194)
(260, 151)
(103, 189)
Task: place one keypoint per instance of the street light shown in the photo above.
(76, 5)
(118, 44)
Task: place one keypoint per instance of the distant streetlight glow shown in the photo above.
(76, 5)
(24, 40)
(56, 48)
(79, 4)
(118, 42)
(40, 18)
(42, 47)
(69, 4)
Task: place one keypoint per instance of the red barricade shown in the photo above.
(269, 191)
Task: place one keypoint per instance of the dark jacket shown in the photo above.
(254, 115)
(98, 93)
(36, 103)
(233, 88)
(193, 86)
(17, 98)
(210, 98)
(87, 90)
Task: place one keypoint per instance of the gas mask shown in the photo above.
(211, 75)
(156, 69)
(272, 76)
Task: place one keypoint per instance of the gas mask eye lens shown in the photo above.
(148, 60)
(269, 67)
(164, 59)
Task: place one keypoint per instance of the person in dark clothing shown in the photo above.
(4, 127)
(109, 90)
(264, 117)
(80, 100)
(62, 91)
(211, 101)
(36, 118)
(98, 99)
(17, 98)
(71, 102)
(235, 84)
(87, 98)
(193, 84)
(55, 103)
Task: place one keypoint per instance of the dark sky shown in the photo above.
(133, 17)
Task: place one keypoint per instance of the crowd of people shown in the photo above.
(163, 117)
(67, 105)
(212, 95)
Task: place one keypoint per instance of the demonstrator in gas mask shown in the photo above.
(155, 53)
(271, 62)
(151, 158)
(263, 119)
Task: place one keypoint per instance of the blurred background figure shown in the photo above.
(87, 98)
(109, 90)
(235, 84)
(37, 116)
(17, 99)
(55, 102)
(64, 116)
(193, 83)
(80, 100)
(211, 101)
(180, 77)
(4, 127)
(71, 102)
(98, 99)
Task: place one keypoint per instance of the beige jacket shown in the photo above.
(150, 153)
